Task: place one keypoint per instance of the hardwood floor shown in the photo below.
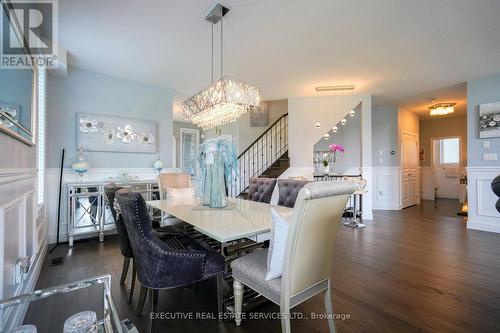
(414, 270)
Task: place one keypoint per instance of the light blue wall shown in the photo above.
(484, 90)
(348, 136)
(84, 91)
(385, 136)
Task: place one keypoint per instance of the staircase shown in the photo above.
(267, 156)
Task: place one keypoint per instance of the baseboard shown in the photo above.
(483, 226)
(388, 206)
(16, 317)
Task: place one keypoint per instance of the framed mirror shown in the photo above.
(17, 94)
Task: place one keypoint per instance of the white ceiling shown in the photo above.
(389, 48)
(453, 94)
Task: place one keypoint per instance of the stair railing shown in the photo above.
(261, 154)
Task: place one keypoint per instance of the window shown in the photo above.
(40, 98)
(450, 151)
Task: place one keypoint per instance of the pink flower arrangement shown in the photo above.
(336, 147)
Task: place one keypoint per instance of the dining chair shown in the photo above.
(172, 180)
(288, 190)
(161, 265)
(261, 189)
(308, 254)
(125, 248)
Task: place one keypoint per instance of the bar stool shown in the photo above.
(355, 211)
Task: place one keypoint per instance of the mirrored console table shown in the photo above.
(88, 212)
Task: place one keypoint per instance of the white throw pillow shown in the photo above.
(276, 251)
(182, 193)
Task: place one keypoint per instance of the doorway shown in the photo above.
(409, 169)
(190, 140)
(446, 166)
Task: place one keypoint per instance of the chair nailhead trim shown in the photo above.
(191, 255)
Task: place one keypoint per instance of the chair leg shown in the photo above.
(132, 283)
(126, 263)
(153, 300)
(329, 309)
(238, 300)
(141, 301)
(220, 298)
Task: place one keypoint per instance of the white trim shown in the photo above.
(8, 176)
(482, 169)
(481, 199)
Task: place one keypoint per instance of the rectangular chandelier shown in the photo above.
(221, 103)
(441, 109)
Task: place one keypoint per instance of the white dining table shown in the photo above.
(240, 219)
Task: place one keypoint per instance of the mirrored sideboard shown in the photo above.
(88, 212)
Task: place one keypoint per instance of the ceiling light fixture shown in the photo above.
(343, 121)
(225, 100)
(335, 129)
(336, 88)
(441, 109)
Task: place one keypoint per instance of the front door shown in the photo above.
(409, 165)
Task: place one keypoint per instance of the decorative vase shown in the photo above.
(158, 165)
(332, 162)
(326, 169)
(80, 166)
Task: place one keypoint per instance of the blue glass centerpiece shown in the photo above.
(218, 170)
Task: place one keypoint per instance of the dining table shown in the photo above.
(239, 228)
(238, 220)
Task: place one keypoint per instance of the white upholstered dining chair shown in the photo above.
(172, 180)
(308, 254)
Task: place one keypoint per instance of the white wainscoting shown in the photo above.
(386, 188)
(93, 175)
(22, 233)
(482, 212)
(427, 183)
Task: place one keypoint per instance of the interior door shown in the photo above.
(409, 165)
(190, 139)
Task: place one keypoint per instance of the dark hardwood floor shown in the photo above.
(414, 270)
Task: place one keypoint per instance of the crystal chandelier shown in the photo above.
(225, 100)
(441, 109)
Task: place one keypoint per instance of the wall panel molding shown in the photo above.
(22, 233)
(482, 212)
(386, 188)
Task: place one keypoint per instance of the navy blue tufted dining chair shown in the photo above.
(159, 264)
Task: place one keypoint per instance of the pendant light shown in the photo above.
(225, 100)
